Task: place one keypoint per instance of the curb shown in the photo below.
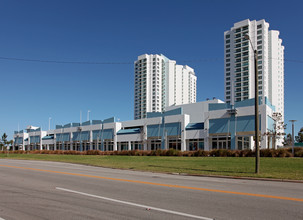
(240, 177)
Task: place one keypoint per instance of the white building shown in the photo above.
(204, 125)
(160, 82)
(239, 63)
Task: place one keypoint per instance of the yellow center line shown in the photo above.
(159, 184)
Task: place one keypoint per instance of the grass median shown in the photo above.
(277, 168)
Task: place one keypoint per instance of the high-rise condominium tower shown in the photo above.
(239, 63)
(160, 82)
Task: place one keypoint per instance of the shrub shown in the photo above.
(299, 153)
(173, 152)
(247, 153)
(282, 152)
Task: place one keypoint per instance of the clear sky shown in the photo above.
(188, 31)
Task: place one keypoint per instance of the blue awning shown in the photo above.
(195, 126)
(81, 136)
(129, 131)
(48, 138)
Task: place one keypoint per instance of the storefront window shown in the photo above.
(195, 144)
(221, 143)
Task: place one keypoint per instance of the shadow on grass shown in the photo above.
(202, 170)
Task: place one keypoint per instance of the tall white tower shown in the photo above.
(160, 82)
(239, 63)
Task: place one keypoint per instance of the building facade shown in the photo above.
(204, 125)
(160, 82)
(239, 64)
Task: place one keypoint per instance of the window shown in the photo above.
(227, 97)
(227, 51)
(259, 47)
(259, 32)
(227, 83)
(259, 26)
(259, 37)
(227, 41)
(227, 36)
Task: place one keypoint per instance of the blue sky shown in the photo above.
(190, 32)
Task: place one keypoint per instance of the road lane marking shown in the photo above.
(160, 184)
(135, 204)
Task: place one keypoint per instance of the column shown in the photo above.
(90, 139)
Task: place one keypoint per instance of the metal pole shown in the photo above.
(293, 137)
(257, 113)
(49, 119)
(88, 115)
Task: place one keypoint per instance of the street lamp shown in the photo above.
(293, 137)
(88, 115)
(256, 106)
(49, 119)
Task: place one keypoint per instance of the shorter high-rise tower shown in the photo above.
(160, 82)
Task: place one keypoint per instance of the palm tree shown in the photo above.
(4, 141)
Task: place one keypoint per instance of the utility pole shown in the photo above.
(256, 107)
(293, 137)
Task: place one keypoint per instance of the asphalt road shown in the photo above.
(50, 190)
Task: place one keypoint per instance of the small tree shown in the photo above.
(4, 141)
(287, 140)
(278, 128)
(299, 138)
(11, 144)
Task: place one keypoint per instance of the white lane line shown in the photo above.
(135, 204)
(2, 218)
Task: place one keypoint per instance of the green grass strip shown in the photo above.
(277, 168)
